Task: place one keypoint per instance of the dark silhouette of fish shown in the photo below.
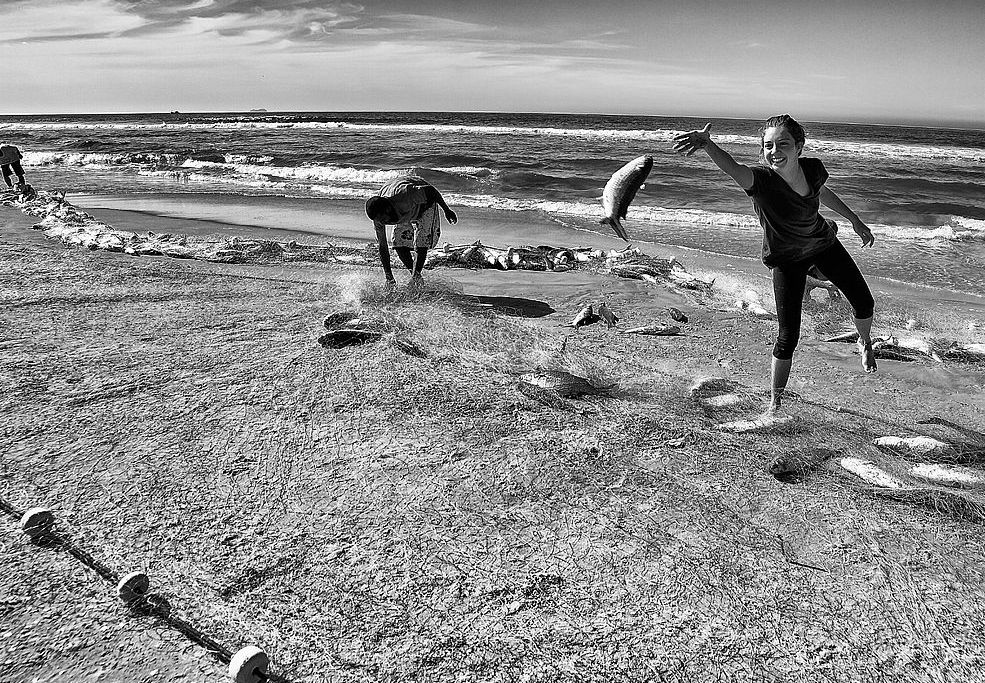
(677, 314)
(410, 348)
(607, 315)
(338, 339)
(795, 466)
(620, 191)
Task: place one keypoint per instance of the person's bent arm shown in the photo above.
(834, 202)
(434, 197)
(689, 143)
(384, 250)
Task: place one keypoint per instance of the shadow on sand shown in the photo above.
(517, 307)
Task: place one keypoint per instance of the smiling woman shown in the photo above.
(787, 193)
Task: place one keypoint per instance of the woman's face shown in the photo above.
(779, 148)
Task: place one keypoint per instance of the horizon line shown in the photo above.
(946, 124)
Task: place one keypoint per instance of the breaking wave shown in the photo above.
(853, 148)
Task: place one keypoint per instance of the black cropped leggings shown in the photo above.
(13, 167)
(790, 279)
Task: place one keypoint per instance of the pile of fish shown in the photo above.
(60, 219)
(630, 262)
(908, 350)
(649, 269)
(946, 476)
(924, 470)
(545, 257)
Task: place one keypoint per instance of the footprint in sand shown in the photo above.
(725, 401)
(716, 393)
(706, 387)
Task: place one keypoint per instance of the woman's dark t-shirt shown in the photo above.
(793, 230)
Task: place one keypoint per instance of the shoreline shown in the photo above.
(741, 285)
(285, 218)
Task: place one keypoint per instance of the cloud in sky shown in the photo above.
(839, 59)
(295, 20)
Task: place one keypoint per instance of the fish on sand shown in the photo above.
(796, 465)
(677, 314)
(620, 191)
(340, 319)
(607, 315)
(656, 330)
(586, 316)
(563, 383)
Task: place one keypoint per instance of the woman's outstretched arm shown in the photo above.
(689, 143)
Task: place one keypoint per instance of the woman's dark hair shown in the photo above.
(786, 121)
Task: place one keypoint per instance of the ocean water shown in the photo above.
(921, 190)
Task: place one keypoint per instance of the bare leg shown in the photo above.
(779, 374)
(864, 327)
(422, 256)
(404, 254)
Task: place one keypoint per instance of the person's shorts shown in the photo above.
(420, 234)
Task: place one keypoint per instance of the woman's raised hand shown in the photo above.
(689, 143)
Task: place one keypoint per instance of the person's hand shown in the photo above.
(451, 217)
(863, 231)
(689, 143)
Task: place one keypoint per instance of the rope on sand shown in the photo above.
(250, 664)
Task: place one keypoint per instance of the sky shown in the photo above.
(898, 61)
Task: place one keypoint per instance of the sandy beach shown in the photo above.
(365, 514)
(234, 448)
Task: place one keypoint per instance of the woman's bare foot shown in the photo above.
(868, 356)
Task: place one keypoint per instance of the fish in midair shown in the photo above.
(620, 191)
(607, 315)
(586, 316)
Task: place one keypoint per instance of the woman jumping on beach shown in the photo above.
(786, 192)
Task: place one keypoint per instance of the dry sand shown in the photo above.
(362, 514)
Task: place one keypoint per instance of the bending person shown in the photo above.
(410, 204)
(787, 191)
(10, 164)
